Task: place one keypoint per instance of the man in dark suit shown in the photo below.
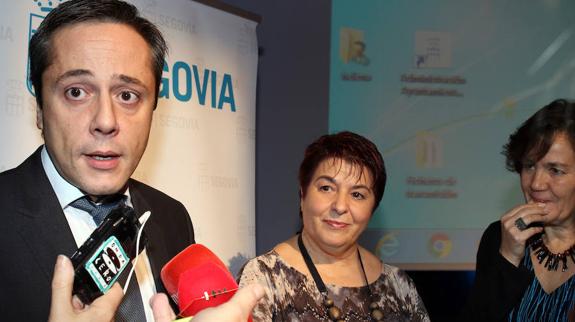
(96, 68)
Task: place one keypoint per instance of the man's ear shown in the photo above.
(39, 118)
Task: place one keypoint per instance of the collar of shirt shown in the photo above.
(65, 191)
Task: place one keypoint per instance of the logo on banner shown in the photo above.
(199, 85)
(439, 245)
(35, 19)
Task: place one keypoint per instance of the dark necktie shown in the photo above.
(100, 210)
(131, 309)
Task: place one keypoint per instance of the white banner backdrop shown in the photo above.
(202, 144)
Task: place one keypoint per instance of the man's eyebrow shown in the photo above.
(74, 73)
(85, 72)
(129, 79)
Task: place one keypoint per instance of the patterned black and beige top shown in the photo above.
(292, 296)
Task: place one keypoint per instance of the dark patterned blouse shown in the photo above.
(292, 296)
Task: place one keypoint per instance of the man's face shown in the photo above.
(99, 94)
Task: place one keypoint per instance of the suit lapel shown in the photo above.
(44, 227)
(156, 247)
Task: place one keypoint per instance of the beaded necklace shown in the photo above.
(552, 259)
(333, 311)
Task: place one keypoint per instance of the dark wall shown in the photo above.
(292, 105)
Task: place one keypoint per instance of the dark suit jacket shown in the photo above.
(34, 231)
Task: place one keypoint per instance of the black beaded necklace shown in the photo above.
(333, 311)
(552, 259)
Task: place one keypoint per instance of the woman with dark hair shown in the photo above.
(526, 261)
(322, 273)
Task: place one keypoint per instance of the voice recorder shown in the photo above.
(100, 261)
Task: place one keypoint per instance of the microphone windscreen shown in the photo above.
(204, 286)
(196, 279)
(191, 256)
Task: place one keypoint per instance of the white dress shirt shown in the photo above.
(82, 225)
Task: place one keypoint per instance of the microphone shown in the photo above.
(197, 279)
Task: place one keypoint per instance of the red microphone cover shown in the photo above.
(197, 279)
(204, 286)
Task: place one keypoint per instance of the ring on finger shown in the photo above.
(520, 224)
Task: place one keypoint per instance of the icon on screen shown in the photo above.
(429, 150)
(432, 49)
(439, 245)
(387, 246)
(352, 46)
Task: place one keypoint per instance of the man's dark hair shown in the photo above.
(78, 11)
(349, 147)
(532, 140)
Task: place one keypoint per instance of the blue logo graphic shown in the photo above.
(220, 88)
(35, 19)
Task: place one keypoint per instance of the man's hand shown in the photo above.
(237, 309)
(65, 307)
